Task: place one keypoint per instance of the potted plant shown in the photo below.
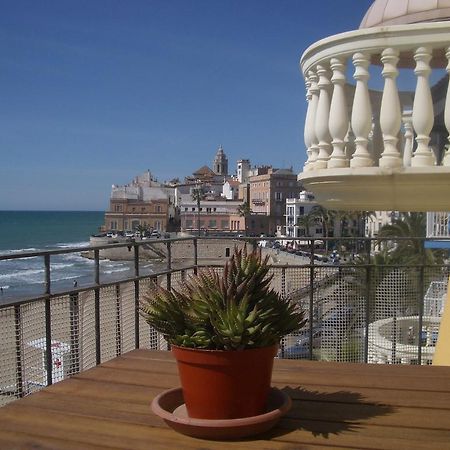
(224, 330)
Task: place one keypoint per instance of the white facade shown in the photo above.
(243, 170)
(296, 208)
(230, 190)
(377, 220)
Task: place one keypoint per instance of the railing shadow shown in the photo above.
(326, 413)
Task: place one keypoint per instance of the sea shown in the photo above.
(31, 231)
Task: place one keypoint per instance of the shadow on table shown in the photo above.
(325, 413)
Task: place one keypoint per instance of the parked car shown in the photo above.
(301, 347)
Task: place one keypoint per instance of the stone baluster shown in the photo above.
(446, 160)
(338, 122)
(390, 112)
(314, 90)
(361, 112)
(409, 138)
(307, 130)
(423, 114)
(322, 117)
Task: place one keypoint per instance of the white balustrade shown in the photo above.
(446, 161)
(390, 112)
(423, 115)
(322, 116)
(314, 90)
(409, 138)
(338, 121)
(361, 112)
(307, 129)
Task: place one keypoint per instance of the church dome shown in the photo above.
(399, 12)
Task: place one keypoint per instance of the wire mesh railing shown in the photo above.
(360, 308)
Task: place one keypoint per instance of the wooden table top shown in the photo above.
(335, 405)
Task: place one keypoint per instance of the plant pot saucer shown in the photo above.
(169, 405)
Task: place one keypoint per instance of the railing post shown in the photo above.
(311, 300)
(97, 306)
(420, 299)
(136, 296)
(169, 265)
(48, 321)
(74, 319)
(195, 242)
(118, 321)
(283, 282)
(18, 336)
(368, 302)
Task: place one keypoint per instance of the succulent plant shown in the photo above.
(234, 310)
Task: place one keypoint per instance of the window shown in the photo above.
(278, 196)
(158, 208)
(224, 224)
(302, 210)
(185, 209)
(143, 209)
(188, 223)
(212, 223)
(193, 209)
(208, 210)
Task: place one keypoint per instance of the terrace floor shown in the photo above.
(334, 405)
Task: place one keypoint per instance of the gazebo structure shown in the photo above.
(385, 150)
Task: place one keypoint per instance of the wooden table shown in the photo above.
(335, 405)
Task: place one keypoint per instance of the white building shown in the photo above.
(296, 208)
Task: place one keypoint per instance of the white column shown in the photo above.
(423, 114)
(446, 160)
(390, 112)
(314, 90)
(361, 112)
(308, 125)
(338, 122)
(322, 117)
(409, 138)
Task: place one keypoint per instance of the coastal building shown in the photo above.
(296, 211)
(143, 202)
(269, 189)
(215, 215)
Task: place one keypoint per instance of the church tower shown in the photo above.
(220, 164)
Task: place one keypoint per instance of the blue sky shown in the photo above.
(95, 92)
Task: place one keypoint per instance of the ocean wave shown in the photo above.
(5, 286)
(72, 244)
(21, 274)
(123, 269)
(61, 265)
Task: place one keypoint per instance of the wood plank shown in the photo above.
(395, 398)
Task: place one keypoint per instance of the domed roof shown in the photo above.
(397, 12)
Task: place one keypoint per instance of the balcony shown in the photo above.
(386, 150)
(363, 312)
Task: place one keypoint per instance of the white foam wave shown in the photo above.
(61, 265)
(124, 269)
(21, 274)
(6, 286)
(72, 244)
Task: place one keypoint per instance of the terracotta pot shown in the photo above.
(221, 384)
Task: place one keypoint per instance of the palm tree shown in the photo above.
(306, 221)
(244, 210)
(142, 229)
(326, 217)
(409, 225)
(198, 195)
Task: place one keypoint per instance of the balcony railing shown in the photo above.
(357, 311)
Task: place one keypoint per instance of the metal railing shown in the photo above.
(358, 309)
